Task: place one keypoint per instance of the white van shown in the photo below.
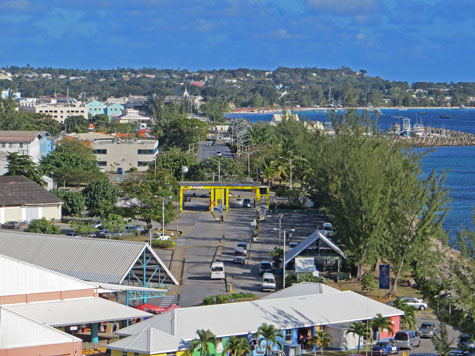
(268, 282)
(217, 270)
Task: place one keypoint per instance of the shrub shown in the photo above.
(163, 243)
(43, 226)
(367, 282)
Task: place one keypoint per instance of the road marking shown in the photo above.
(179, 275)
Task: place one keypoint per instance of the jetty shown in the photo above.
(437, 137)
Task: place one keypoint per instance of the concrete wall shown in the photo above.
(52, 212)
(28, 213)
(72, 348)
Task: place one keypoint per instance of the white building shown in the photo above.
(58, 111)
(132, 116)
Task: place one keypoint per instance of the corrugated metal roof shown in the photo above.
(89, 259)
(18, 190)
(313, 237)
(17, 330)
(20, 136)
(301, 289)
(150, 341)
(18, 277)
(283, 313)
(77, 311)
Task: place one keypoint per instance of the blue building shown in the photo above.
(114, 110)
(95, 107)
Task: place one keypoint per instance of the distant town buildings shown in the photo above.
(95, 107)
(132, 116)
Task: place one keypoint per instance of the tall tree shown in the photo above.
(73, 202)
(380, 323)
(148, 193)
(267, 335)
(100, 197)
(441, 340)
(360, 329)
(203, 342)
(408, 319)
(321, 339)
(22, 165)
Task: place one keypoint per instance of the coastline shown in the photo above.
(294, 109)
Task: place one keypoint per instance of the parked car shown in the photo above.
(97, 225)
(268, 282)
(238, 201)
(415, 302)
(246, 203)
(427, 329)
(407, 339)
(217, 270)
(161, 236)
(239, 255)
(264, 267)
(187, 199)
(293, 244)
(385, 348)
(71, 233)
(243, 245)
(466, 342)
(11, 225)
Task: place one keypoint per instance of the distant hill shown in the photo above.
(243, 87)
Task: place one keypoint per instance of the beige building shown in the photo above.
(132, 116)
(23, 200)
(114, 154)
(58, 111)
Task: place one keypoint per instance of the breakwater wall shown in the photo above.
(436, 137)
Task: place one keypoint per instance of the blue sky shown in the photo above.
(398, 40)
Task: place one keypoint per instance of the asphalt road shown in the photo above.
(206, 150)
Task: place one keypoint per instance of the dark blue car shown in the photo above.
(385, 348)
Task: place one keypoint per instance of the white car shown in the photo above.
(161, 236)
(239, 201)
(415, 302)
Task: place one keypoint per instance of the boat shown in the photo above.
(445, 116)
(421, 112)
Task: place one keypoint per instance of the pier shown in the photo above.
(436, 137)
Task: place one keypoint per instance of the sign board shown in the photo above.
(384, 276)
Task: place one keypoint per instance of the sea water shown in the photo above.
(459, 162)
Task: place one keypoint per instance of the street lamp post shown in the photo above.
(283, 268)
(219, 166)
(249, 164)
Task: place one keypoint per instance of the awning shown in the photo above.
(77, 311)
(112, 288)
(155, 309)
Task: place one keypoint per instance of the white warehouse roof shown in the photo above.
(18, 277)
(20, 331)
(284, 313)
(149, 341)
(89, 259)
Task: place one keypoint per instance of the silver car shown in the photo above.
(415, 302)
(407, 339)
(427, 329)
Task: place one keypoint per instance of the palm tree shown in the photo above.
(238, 345)
(408, 320)
(360, 329)
(269, 337)
(381, 323)
(205, 338)
(322, 339)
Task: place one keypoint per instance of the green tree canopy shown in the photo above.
(73, 202)
(76, 124)
(238, 345)
(174, 159)
(267, 335)
(100, 197)
(72, 162)
(22, 165)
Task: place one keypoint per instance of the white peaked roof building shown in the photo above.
(33, 300)
(300, 306)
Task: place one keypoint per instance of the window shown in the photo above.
(4, 145)
(20, 145)
(145, 152)
(10, 145)
(102, 163)
(100, 151)
(288, 336)
(143, 164)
